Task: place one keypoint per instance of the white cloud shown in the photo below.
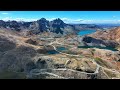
(78, 20)
(24, 19)
(69, 20)
(101, 21)
(4, 13)
(65, 19)
(7, 18)
(18, 19)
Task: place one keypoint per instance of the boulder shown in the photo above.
(31, 41)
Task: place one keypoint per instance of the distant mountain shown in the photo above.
(42, 25)
(108, 26)
(87, 26)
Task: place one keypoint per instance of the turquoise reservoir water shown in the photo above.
(85, 32)
(52, 52)
(108, 48)
(61, 49)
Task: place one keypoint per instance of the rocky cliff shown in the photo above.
(106, 38)
(113, 34)
(42, 25)
(90, 41)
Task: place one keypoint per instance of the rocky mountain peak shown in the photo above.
(42, 20)
(58, 21)
(42, 25)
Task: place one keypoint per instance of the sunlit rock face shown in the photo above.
(112, 34)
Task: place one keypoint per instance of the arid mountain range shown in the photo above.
(43, 25)
(28, 51)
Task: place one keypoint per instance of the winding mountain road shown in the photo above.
(44, 71)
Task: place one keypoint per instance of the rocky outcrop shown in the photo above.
(113, 34)
(41, 25)
(106, 38)
(90, 41)
(32, 41)
(57, 26)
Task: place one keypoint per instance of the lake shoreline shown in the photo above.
(86, 32)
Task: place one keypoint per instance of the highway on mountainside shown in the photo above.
(44, 71)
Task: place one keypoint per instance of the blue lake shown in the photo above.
(61, 49)
(85, 32)
(52, 52)
(108, 48)
(58, 48)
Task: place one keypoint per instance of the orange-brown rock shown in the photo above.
(113, 34)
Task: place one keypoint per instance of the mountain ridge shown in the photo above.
(42, 25)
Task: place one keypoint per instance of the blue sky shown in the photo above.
(66, 16)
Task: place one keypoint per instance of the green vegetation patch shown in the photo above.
(101, 62)
(97, 59)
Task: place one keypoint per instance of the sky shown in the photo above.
(67, 16)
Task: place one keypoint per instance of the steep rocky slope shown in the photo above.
(106, 38)
(90, 41)
(42, 25)
(21, 55)
(27, 55)
(113, 34)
